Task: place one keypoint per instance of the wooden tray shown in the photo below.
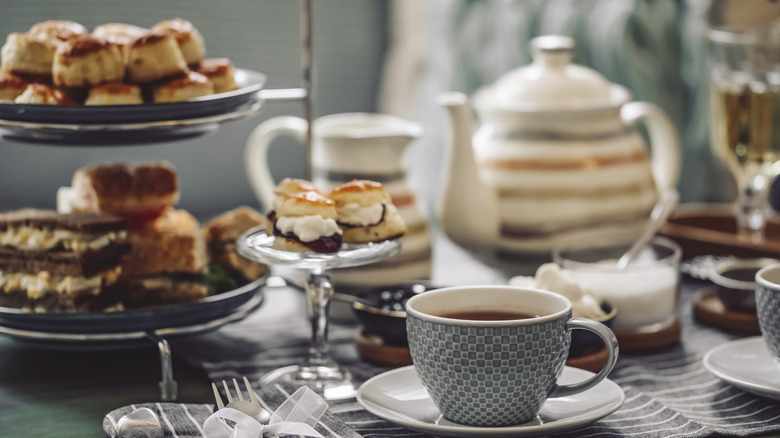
(709, 310)
(710, 229)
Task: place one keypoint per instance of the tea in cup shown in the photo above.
(768, 306)
(491, 355)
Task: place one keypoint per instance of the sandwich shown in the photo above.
(51, 262)
(168, 262)
(366, 212)
(307, 222)
(223, 231)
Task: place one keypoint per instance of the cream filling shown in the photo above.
(38, 285)
(29, 238)
(354, 214)
(308, 228)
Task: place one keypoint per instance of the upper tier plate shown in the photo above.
(130, 124)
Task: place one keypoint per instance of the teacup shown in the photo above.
(768, 306)
(491, 355)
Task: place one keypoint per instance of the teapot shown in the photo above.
(557, 154)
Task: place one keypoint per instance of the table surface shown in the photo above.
(55, 393)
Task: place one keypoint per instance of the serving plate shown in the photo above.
(128, 124)
(117, 324)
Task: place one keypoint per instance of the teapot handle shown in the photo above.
(256, 153)
(664, 141)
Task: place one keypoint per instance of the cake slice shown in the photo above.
(51, 262)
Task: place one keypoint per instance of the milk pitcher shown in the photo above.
(355, 146)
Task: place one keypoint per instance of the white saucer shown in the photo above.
(746, 364)
(399, 396)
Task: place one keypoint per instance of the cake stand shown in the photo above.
(319, 371)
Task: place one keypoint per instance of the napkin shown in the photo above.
(186, 420)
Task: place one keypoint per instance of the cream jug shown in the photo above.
(355, 146)
(557, 154)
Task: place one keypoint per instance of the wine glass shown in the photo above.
(320, 371)
(744, 69)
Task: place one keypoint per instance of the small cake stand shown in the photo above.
(320, 371)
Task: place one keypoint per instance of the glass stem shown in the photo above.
(751, 207)
(319, 290)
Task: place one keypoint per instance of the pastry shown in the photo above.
(11, 85)
(86, 61)
(366, 212)
(307, 222)
(43, 94)
(114, 93)
(120, 34)
(154, 57)
(57, 30)
(187, 36)
(27, 56)
(287, 187)
(220, 71)
(185, 87)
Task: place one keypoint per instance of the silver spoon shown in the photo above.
(141, 423)
(666, 204)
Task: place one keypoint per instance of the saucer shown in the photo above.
(400, 397)
(746, 364)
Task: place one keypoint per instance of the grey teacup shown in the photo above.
(768, 306)
(496, 373)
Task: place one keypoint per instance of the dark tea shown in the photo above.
(487, 315)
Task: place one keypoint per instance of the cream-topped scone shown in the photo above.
(366, 212)
(307, 222)
(287, 187)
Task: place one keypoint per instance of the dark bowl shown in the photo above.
(381, 310)
(736, 282)
(583, 342)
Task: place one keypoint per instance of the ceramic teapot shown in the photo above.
(557, 153)
(355, 146)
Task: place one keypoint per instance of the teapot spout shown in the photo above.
(468, 210)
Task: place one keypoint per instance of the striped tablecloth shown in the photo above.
(668, 393)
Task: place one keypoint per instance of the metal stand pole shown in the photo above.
(307, 66)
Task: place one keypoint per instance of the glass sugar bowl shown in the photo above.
(647, 291)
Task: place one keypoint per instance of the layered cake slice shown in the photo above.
(51, 262)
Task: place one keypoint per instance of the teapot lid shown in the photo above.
(551, 81)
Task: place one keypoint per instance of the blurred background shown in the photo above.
(392, 56)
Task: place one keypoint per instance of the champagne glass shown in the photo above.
(320, 371)
(744, 69)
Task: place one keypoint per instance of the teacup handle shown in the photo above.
(256, 153)
(612, 354)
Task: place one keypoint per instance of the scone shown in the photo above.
(59, 30)
(11, 85)
(220, 71)
(366, 212)
(114, 93)
(27, 56)
(185, 87)
(154, 57)
(307, 222)
(43, 94)
(86, 61)
(187, 36)
(287, 187)
(223, 231)
(120, 34)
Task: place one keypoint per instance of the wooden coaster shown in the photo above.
(371, 348)
(593, 362)
(709, 309)
(642, 341)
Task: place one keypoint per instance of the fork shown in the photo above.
(251, 407)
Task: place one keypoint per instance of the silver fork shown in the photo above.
(251, 407)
